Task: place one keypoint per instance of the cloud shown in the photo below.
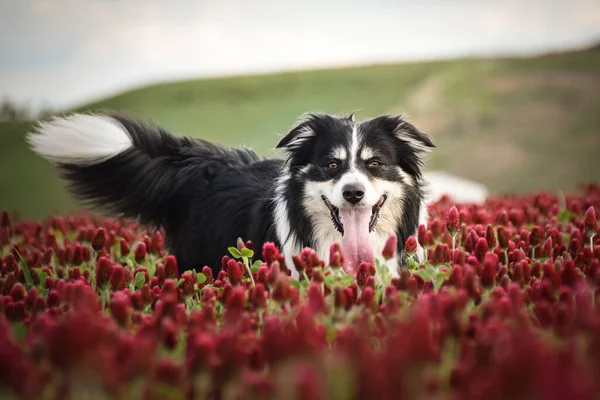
(66, 51)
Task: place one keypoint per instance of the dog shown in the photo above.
(343, 181)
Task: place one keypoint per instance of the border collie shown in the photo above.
(346, 181)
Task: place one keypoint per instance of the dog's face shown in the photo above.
(355, 174)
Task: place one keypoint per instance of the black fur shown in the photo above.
(206, 196)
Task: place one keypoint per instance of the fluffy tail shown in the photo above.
(129, 168)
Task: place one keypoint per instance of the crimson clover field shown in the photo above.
(506, 307)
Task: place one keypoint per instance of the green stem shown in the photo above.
(247, 265)
(305, 276)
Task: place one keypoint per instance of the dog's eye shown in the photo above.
(332, 165)
(374, 164)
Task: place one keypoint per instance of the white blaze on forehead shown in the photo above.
(354, 142)
(353, 176)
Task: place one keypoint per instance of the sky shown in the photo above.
(61, 53)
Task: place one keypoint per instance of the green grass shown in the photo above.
(515, 124)
(28, 184)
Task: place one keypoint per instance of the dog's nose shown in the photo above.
(353, 193)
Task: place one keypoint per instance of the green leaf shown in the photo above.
(201, 277)
(564, 216)
(151, 267)
(330, 281)
(346, 280)
(438, 282)
(330, 333)
(256, 266)
(179, 282)
(431, 270)
(26, 271)
(104, 298)
(246, 252)
(386, 277)
(41, 276)
(19, 330)
(295, 284)
(424, 274)
(235, 252)
(139, 280)
(412, 264)
(470, 306)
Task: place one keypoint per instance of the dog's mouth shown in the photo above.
(355, 224)
(338, 222)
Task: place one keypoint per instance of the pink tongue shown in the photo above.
(355, 242)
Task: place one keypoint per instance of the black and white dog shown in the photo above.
(342, 180)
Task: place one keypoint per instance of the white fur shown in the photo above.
(354, 145)
(353, 177)
(339, 153)
(324, 233)
(79, 139)
(289, 245)
(366, 153)
(423, 218)
(391, 211)
(417, 145)
(408, 179)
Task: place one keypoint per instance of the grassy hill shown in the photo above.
(515, 124)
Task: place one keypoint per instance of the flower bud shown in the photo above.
(490, 236)
(125, 250)
(270, 252)
(234, 272)
(336, 256)
(535, 238)
(453, 221)
(117, 278)
(410, 245)
(158, 242)
(140, 252)
(99, 239)
(389, 249)
(171, 268)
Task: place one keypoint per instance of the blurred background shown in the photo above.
(509, 90)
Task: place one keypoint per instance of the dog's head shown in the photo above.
(355, 174)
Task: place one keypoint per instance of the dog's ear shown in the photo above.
(411, 144)
(300, 134)
(299, 142)
(408, 133)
